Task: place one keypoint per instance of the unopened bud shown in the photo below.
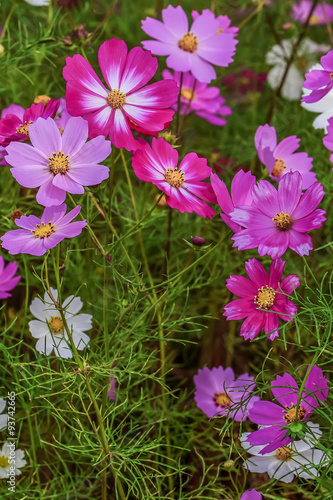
(16, 214)
(42, 98)
(198, 241)
(228, 464)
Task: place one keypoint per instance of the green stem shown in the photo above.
(310, 271)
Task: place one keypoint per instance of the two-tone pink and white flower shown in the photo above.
(319, 81)
(183, 185)
(59, 163)
(110, 111)
(279, 159)
(194, 48)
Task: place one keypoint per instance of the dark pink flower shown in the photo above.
(278, 417)
(182, 185)
(279, 219)
(322, 14)
(110, 111)
(197, 97)
(241, 188)
(260, 295)
(219, 393)
(15, 124)
(279, 159)
(208, 41)
(37, 236)
(7, 280)
(59, 163)
(62, 116)
(112, 389)
(328, 139)
(251, 495)
(320, 82)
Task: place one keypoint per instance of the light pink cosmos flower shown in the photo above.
(279, 219)
(320, 82)
(182, 185)
(7, 279)
(59, 162)
(14, 125)
(110, 111)
(37, 236)
(219, 393)
(278, 417)
(328, 139)
(251, 495)
(322, 14)
(192, 49)
(62, 116)
(279, 159)
(197, 97)
(241, 188)
(260, 295)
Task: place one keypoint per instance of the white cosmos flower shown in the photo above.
(4, 417)
(278, 56)
(49, 330)
(324, 106)
(11, 460)
(299, 458)
(38, 3)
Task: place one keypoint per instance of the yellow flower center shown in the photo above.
(55, 325)
(42, 98)
(4, 462)
(221, 399)
(314, 20)
(43, 230)
(23, 128)
(278, 168)
(188, 42)
(282, 221)
(186, 92)
(59, 163)
(174, 177)
(331, 76)
(116, 99)
(265, 297)
(290, 414)
(283, 453)
(218, 31)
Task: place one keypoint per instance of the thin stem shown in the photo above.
(310, 271)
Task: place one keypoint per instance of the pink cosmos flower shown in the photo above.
(328, 139)
(197, 97)
(14, 126)
(280, 159)
(219, 393)
(7, 280)
(320, 82)
(110, 111)
(192, 49)
(251, 495)
(182, 185)
(241, 188)
(260, 295)
(279, 219)
(39, 235)
(59, 162)
(278, 417)
(322, 14)
(63, 116)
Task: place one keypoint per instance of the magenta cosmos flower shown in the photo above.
(278, 417)
(328, 139)
(279, 159)
(7, 279)
(260, 295)
(110, 111)
(322, 14)
(319, 81)
(241, 188)
(279, 219)
(197, 97)
(251, 495)
(182, 185)
(39, 235)
(192, 49)
(59, 162)
(14, 126)
(219, 393)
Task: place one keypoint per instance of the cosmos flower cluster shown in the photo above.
(58, 145)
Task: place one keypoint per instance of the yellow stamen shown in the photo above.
(174, 177)
(282, 221)
(290, 414)
(284, 453)
(56, 325)
(265, 297)
(43, 230)
(188, 42)
(186, 92)
(278, 168)
(59, 163)
(116, 99)
(4, 462)
(42, 98)
(221, 399)
(24, 128)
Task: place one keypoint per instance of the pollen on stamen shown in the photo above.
(265, 297)
(279, 167)
(221, 399)
(24, 128)
(116, 99)
(59, 162)
(188, 42)
(174, 177)
(282, 221)
(43, 230)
